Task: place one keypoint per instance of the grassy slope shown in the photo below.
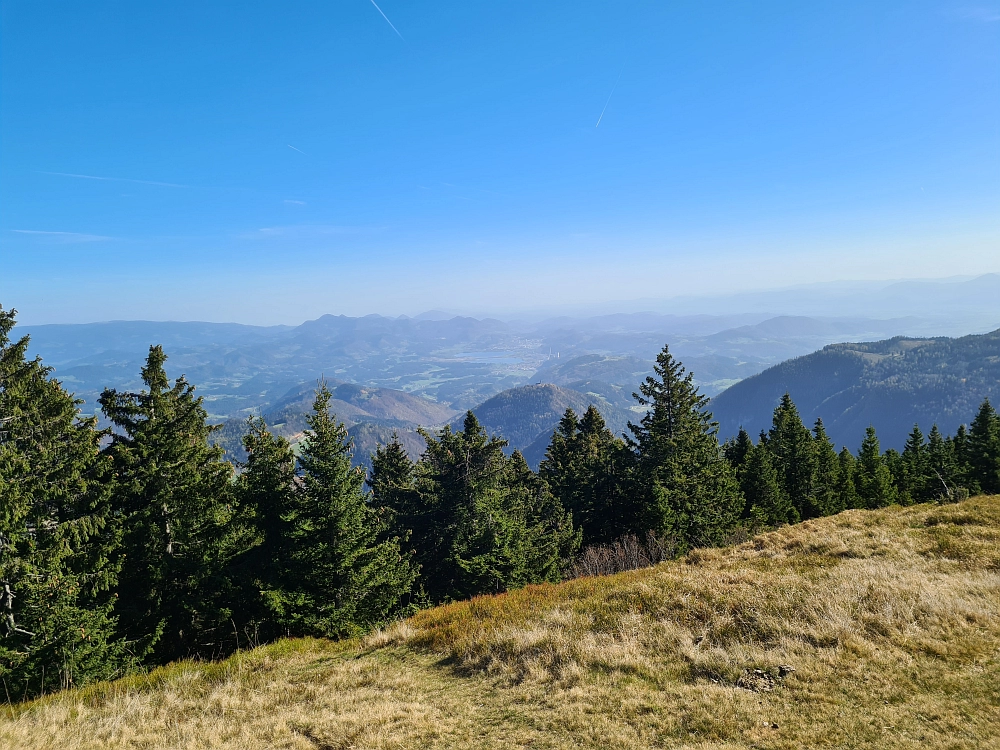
(890, 619)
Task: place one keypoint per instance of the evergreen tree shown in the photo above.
(984, 450)
(392, 482)
(172, 493)
(687, 488)
(767, 505)
(483, 522)
(962, 457)
(341, 573)
(586, 469)
(261, 526)
(893, 461)
(944, 476)
(551, 538)
(790, 444)
(57, 536)
(827, 498)
(873, 480)
(847, 492)
(913, 480)
(738, 450)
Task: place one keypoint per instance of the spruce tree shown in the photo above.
(737, 450)
(913, 480)
(960, 447)
(342, 574)
(984, 450)
(260, 528)
(392, 482)
(57, 535)
(767, 505)
(687, 488)
(827, 498)
(893, 461)
(551, 537)
(790, 443)
(847, 492)
(944, 476)
(586, 469)
(488, 523)
(873, 481)
(172, 493)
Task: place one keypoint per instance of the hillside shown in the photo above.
(890, 384)
(867, 629)
(526, 416)
(370, 414)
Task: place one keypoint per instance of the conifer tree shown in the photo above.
(392, 481)
(913, 479)
(962, 457)
(847, 492)
(827, 498)
(172, 493)
(767, 505)
(261, 526)
(586, 469)
(944, 475)
(341, 572)
(873, 481)
(737, 450)
(790, 444)
(984, 450)
(57, 536)
(551, 538)
(488, 523)
(687, 488)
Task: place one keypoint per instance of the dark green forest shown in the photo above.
(131, 546)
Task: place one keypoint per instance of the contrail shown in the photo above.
(387, 20)
(297, 149)
(113, 179)
(609, 97)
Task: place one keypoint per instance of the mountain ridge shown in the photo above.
(891, 384)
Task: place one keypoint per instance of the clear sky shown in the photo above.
(273, 161)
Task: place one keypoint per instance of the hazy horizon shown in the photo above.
(782, 300)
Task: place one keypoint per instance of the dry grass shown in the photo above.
(868, 629)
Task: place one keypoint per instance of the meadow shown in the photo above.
(865, 629)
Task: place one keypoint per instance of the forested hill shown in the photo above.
(890, 384)
(526, 416)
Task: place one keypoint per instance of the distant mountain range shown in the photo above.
(458, 362)
(397, 374)
(890, 384)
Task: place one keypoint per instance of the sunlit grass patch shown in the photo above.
(867, 629)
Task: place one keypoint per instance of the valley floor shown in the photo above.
(867, 629)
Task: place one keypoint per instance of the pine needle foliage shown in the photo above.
(480, 521)
(340, 573)
(686, 487)
(172, 494)
(57, 534)
(587, 468)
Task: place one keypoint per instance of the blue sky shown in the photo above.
(270, 162)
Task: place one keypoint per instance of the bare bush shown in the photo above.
(627, 553)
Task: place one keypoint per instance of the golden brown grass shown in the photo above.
(868, 629)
